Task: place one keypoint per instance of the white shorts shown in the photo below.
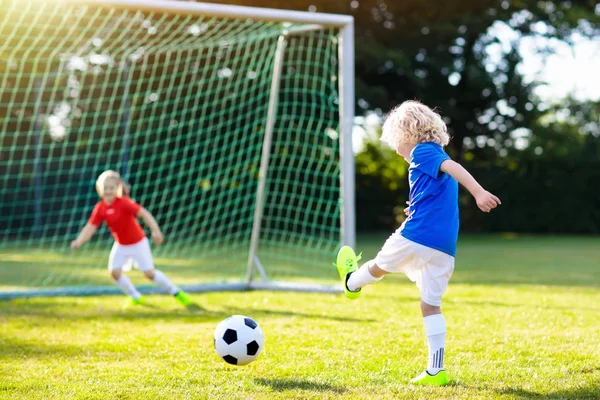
(431, 269)
(139, 254)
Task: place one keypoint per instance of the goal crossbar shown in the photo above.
(225, 11)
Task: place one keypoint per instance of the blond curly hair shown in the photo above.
(413, 122)
(109, 175)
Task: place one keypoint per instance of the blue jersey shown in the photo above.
(433, 201)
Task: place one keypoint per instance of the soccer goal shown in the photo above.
(232, 124)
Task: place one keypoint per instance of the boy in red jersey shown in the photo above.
(120, 214)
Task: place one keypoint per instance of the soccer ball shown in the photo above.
(238, 340)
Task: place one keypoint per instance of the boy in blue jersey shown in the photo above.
(424, 246)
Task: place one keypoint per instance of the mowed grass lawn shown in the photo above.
(523, 319)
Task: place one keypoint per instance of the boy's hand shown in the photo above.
(406, 211)
(157, 237)
(487, 201)
(75, 244)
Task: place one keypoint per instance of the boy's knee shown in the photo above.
(149, 274)
(375, 271)
(428, 309)
(116, 274)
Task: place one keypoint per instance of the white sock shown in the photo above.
(127, 287)
(435, 329)
(361, 277)
(161, 280)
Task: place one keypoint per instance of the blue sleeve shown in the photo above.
(428, 159)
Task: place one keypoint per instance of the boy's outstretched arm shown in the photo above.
(86, 233)
(485, 200)
(149, 220)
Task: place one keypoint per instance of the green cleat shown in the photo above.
(183, 298)
(347, 262)
(140, 301)
(425, 378)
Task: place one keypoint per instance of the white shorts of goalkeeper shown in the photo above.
(138, 254)
(429, 268)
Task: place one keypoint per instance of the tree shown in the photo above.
(440, 53)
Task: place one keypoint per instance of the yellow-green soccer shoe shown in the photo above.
(347, 263)
(131, 302)
(183, 298)
(425, 378)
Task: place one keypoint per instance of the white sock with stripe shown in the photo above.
(161, 280)
(127, 287)
(435, 329)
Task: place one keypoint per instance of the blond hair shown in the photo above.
(109, 175)
(413, 122)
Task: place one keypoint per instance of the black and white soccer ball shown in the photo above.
(239, 340)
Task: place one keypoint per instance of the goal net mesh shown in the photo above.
(177, 104)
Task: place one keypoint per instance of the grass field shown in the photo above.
(523, 317)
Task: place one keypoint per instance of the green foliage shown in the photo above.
(381, 187)
(409, 49)
(546, 187)
(538, 195)
(440, 54)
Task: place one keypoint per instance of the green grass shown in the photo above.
(523, 318)
(26, 267)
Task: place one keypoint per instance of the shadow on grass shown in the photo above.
(576, 393)
(280, 385)
(261, 312)
(64, 311)
(13, 348)
(49, 312)
(516, 305)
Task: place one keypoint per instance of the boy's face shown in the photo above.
(109, 191)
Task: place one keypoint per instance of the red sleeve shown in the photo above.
(97, 216)
(131, 206)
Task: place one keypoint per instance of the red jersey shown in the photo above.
(121, 218)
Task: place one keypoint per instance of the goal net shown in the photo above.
(232, 125)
